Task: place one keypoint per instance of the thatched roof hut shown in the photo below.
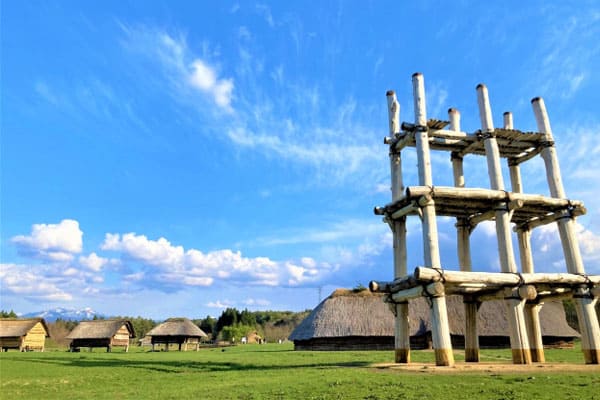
(349, 320)
(23, 334)
(101, 333)
(180, 331)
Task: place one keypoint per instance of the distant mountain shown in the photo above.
(65, 314)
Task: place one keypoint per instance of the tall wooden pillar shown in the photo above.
(584, 301)
(439, 315)
(463, 243)
(401, 321)
(531, 311)
(518, 331)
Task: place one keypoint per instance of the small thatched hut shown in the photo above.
(180, 331)
(23, 334)
(349, 320)
(101, 333)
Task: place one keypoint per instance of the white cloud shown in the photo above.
(204, 78)
(547, 248)
(30, 282)
(219, 304)
(153, 252)
(256, 302)
(93, 262)
(55, 242)
(183, 69)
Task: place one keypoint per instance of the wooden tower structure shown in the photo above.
(523, 291)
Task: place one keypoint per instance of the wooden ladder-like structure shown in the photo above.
(523, 291)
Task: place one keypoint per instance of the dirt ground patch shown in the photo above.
(490, 367)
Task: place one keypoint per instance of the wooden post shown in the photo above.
(531, 311)
(588, 320)
(439, 317)
(463, 243)
(518, 332)
(401, 321)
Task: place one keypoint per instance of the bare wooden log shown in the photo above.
(530, 311)
(588, 319)
(474, 194)
(402, 334)
(505, 248)
(425, 274)
(390, 287)
(401, 322)
(471, 337)
(430, 235)
(404, 140)
(525, 293)
(550, 218)
(532, 319)
(486, 216)
(519, 340)
(410, 209)
(439, 317)
(407, 294)
(463, 243)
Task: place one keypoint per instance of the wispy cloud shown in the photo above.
(336, 232)
(295, 123)
(265, 11)
(566, 58)
(188, 74)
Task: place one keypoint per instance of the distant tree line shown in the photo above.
(7, 314)
(234, 324)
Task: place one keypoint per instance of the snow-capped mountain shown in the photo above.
(65, 314)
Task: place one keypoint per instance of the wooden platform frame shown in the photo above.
(523, 292)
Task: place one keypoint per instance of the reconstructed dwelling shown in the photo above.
(180, 331)
(23, 334)
(349, 320)
(101, 333)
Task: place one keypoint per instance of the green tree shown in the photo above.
(235, 333)
(8, 314)
(207, 324)
(229, 317)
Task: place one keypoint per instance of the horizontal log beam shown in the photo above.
(397, 285)
(435, 289)
(548, 219)
(424, 274)
(468, 194)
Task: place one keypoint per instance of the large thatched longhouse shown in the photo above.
(23, 334)
(180, 331)
(349, 320)
(101, 333)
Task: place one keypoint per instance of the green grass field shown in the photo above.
(277, 372)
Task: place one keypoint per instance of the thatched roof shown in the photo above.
(13, 327)
(177, 327)
(100, 329)
(346, 313)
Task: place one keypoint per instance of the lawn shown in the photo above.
(275, 371)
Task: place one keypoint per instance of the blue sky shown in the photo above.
(175, 158)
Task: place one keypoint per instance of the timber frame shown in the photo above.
(524, 291)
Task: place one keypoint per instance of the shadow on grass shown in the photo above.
(171, 366)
